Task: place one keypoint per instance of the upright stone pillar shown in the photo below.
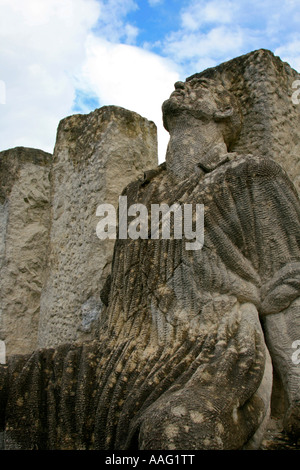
(95, 157)
(24, 236)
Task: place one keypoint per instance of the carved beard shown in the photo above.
(172, 108)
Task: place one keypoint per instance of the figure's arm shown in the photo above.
(284, 287)
(268, 218)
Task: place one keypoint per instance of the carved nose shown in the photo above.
(179, 85)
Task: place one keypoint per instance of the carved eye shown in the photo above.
(196, 82)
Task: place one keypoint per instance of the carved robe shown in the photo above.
(172, 323)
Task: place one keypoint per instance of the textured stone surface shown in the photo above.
(176, 367)
(24, 229)
(182, 360)
(271, 121)
(95, 157)
(195, 293)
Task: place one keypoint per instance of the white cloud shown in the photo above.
(199, 13)
(290, 53)
(213, 31)
(208, 34)
(112, 23)
(130, 77)
(197, 49)
(154, 3)
(56, 49)
(2, 92)
(43, 46)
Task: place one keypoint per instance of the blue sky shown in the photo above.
(60, 57)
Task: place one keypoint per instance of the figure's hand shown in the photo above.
(237, 357)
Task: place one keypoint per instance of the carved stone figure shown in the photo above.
(183, 357)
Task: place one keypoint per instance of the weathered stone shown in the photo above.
(263, 85)
(24, 230)
(95, 157)
(182, 360)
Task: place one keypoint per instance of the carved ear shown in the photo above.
(220, 115)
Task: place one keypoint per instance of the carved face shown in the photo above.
(206, 100)
(194, 97)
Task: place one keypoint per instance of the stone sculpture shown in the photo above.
(24, 241)
(52, 266)
(182, 361)
(95, 156)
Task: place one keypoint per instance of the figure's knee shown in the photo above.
(189, 421)
(173, 424)
(225, 399)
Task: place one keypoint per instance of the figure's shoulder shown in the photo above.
(251, 166)
(247, 171)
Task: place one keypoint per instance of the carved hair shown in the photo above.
(229, 112)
